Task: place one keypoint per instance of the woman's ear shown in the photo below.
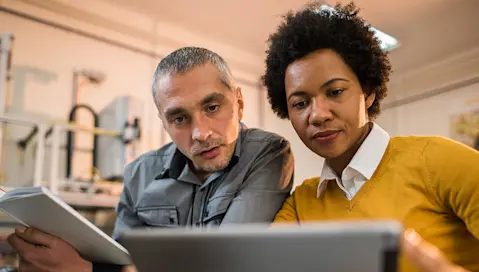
(370, 100)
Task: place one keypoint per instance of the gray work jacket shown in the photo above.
(160, 190)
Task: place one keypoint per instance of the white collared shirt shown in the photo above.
(361, 167)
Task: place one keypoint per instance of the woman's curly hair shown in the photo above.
(315, 28)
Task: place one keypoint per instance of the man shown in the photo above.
(215, 172)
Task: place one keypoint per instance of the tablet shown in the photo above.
(332, 246)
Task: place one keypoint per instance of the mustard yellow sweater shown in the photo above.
(430, 184)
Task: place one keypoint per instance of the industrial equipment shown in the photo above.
(122, 114)
(6, 44)
(116, 131)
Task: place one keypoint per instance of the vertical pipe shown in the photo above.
(40, 156)
(55, 160)
(71, 143)
(74, 88)
(6, 40)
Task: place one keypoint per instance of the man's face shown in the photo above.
(201, 115)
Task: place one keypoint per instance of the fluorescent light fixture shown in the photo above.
(386, 41)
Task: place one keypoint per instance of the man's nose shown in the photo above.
(201, 129)
(320, 111)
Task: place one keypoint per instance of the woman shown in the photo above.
(327, 74)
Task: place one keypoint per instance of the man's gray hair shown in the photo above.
(184, 59)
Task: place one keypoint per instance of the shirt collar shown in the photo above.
(364, 162)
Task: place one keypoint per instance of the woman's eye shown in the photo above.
(335, 92)
(299, 105)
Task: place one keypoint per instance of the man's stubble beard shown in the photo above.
(219, 165)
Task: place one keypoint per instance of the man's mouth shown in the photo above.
(210, 153)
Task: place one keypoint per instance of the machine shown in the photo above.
(122, 114)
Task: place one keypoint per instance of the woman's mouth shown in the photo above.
(326, 136)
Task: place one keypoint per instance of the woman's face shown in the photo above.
(326, 103)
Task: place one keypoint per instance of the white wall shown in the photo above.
(430, 116)
(44, 59)
(455, 78)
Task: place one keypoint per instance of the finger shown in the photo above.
(35, 236)
(22, 247)
(25, 266)
(423, 255)
(129, 268)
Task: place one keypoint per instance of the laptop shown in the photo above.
(332, 246)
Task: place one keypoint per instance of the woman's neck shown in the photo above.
(339, 164)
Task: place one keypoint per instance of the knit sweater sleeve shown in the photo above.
(452, 173)
(287, 213)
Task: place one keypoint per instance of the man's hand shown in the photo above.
(129, 268)
(40, 251)
(426, 257)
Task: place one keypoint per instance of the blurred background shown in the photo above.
(75, 79)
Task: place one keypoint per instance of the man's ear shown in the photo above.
(239, 98)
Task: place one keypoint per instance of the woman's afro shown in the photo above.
(315, 28)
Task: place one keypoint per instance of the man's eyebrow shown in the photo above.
(216, 96)
(213, 97)
(174, 111)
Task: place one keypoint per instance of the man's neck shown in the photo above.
(200, 174)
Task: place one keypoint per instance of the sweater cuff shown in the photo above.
(103, 267)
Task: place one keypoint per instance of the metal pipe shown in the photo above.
(16, 120)
(6, 40)
(74, 88)
(22, 144)
(80, 32)
(151, 54)
(55, 160)
(70, 140)
(96, 131)
(40, 156)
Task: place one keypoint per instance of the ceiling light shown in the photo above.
(386, 41)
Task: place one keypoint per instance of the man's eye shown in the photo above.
(299, 105)
(335, 92)
(212, 108)
(179, 120)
